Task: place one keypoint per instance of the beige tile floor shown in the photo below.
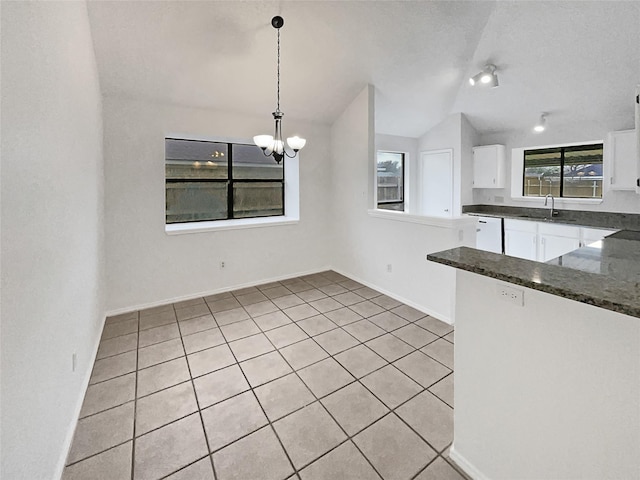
(311, 378)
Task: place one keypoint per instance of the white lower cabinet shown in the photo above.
(520, 239)
(555, 240)
(591, 235)
(550, 246)
(544, 241)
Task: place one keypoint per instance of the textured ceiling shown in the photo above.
(575, 60)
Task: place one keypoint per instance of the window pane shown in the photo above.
(390, 180)
(196, 201)
(190, 159)
(583, 172)
(250, 163)
(542, 172)
(257, 199)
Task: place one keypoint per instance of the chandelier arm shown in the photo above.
(264, 152)
(290, 156)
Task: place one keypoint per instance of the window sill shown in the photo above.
(560, 201)
(219, 225)
(421, 219)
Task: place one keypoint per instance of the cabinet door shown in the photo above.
(624, 160)
(590, 235)
(488, 166)
(520, 244)
(552, 247)
(437, 183)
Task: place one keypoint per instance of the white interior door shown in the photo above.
(436, 169)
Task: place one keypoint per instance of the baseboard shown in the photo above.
(142, 306)
(422, 308)
(465, 465)
(66, 446)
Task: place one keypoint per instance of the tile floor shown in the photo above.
(315, 377)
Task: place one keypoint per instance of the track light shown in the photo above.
(542, 124)
(487, 76)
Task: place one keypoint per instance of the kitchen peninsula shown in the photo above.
(547, 362)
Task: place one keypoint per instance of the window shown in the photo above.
(220, 181)
(569, 172)
(390, 180)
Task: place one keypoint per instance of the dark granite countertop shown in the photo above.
(605, 274)
(609, 220)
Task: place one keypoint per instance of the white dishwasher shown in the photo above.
(489, 234)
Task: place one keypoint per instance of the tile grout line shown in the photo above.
(422, 390)
(391, 410)
(195, 395)
(357, 380)
(332, 356)
(135, 407)
(255, 396)
(325, 409)
(360, 343)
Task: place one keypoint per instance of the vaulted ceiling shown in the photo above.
(579, 61)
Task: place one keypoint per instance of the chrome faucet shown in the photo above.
(552, 211)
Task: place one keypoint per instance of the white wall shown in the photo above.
(145, 265)
(448, 134)
(363, 245)
(613, 201)
(545, 391)
(52, 220)
(469, 138)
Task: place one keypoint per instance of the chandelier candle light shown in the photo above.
(273, 145)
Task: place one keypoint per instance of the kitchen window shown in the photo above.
(390, 180)
(564, 172)
(210, 181)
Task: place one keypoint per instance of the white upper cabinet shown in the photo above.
(489, 166)
(623, 158)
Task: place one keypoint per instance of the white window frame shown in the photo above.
(517, 175)
(291, 197)
(405, 181)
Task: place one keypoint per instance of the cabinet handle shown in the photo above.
(611, 181)
(494, 181)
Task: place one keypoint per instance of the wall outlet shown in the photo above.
(74, 361)
(511, 295)
(221, 264)
(389, 268)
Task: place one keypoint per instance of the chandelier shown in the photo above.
(273, 145)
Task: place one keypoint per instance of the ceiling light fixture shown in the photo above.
(273, 145)
(542, 124)
(487, 76)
